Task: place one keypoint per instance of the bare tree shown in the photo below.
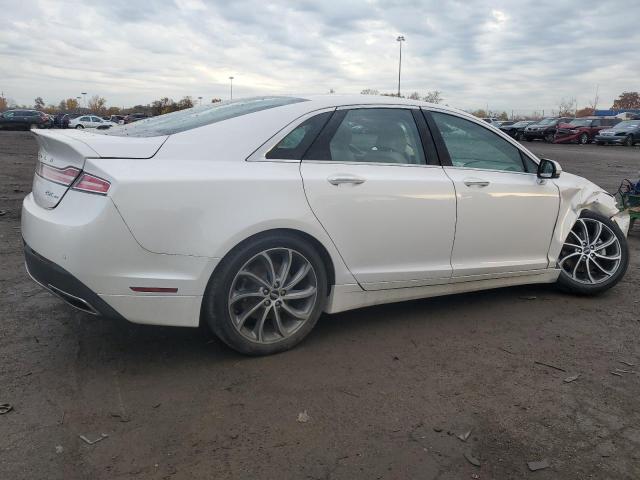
(97, 104)
(567, 107)
(369, 91)
(594, 103)
(434, 96)
(414, 96)
(38, 103)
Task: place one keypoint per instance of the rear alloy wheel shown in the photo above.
(267, 296)
(518, 136)
(594, 256)
(583, 139)
(549, 137)
(79, 127)
(628, 142)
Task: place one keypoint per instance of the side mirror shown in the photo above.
(549, 169)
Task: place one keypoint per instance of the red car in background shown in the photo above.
(582, 130)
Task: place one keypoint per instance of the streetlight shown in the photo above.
(231, 78)
(84, 98)
(78, 98)
(200, 100)
(400, 39)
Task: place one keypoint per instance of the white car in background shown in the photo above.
(254, 216)
(90, 121)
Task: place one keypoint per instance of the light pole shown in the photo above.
(400, 39)
(78, 98)
(84, 98)
(199, 100)
(231, 78)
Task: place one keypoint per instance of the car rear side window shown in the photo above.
(373, 135)
(473, 146)
(296, 142)
(199, 116)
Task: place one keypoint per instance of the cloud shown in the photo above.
(522, 55)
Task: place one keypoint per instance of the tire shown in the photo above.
(78, 127)
(549, 137)
(528, 139)
(518, 136)
(237, 323)
(628, 142)
(583, 139)
(586, 275)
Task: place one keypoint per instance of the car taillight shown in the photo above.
(91, 184)
(63, 176)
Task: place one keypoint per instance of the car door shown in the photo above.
(95, 122)
(374, 183)
(506, 215)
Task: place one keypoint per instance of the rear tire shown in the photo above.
(594, 257)
(628, 142)
(583, 139)
(549, 137)
(79, 127)
(267, 294)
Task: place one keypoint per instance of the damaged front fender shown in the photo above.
(576, 195)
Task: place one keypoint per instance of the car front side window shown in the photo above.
(473, 146)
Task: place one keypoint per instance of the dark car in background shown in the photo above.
(624, 133)
(61, 120)
(582, 130)
(118, 119)
(134, 117)
(20, 119)
(516, 130)
(545, 129)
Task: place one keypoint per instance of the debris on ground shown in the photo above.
(628, 364)
(618, 374)
(59, 449)
(464, 436)
(549, 365)
(91, 442)
(538, 465)
(471, 459)
(437, 429)
(3, 212)
(395, 357)
(572, 378)
(606, 449)
(5, 408)
(303, 417)
(123, 418)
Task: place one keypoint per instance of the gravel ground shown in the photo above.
(387, 389)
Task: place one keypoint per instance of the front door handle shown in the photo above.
(340, 179)
(474, 182)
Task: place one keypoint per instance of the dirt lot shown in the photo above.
(387, 389)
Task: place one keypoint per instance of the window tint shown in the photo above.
(293, 146)
(199, 116)
(378, 135)
(473, 146)
(84, 119)
(8, 114)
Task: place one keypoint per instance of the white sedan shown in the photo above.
(254, 216)
(90, 121)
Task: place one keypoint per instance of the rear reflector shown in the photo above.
(63, 176)
(154, 289)
(91, 184)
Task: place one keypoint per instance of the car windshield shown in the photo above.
(580, 123)
(628, 124)
(199, 116)
(521, 124)
(546, 121)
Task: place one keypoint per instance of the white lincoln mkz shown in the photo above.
(257, 215)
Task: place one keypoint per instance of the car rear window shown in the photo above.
(199, 116)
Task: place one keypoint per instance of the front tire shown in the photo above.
(267, 294)
(583, 139)
(79, 127)
(594, 257)
(628, 142)
(549, 137)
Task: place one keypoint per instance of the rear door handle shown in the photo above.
(474, 182)
(340, 179)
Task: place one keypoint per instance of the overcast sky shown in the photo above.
(521, 55)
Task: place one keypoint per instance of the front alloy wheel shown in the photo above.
(594, 256)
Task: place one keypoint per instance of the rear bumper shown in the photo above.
(64, 285)
(83, 252)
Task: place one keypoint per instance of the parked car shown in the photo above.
(624, 133)
(119, 119)
(20, 119)
(134, 117)
(256, 215)
(492, 121)
(545, 129)
(582, 130)
(516, 130)
(61, 120)
(90, 121)
(504, 123)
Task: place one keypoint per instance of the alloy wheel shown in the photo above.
(592, 253)
(584, 139)
(273, 295)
